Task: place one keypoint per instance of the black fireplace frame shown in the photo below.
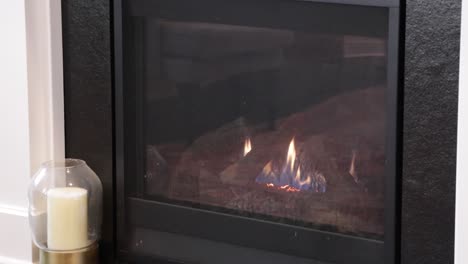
(430, 73)
(249, 232)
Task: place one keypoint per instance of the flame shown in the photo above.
(292, 189)
(299, 182)
(247, 146)
(288, 188)
(267, 169)
(291, 177)
(291, 157)
(352, 167)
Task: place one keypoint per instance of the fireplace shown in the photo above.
(266, 122)
(147, 223)
(266, 128)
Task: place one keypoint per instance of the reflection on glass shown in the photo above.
(276, 124)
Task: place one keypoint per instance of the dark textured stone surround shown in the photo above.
(88, 94)
(429, 129)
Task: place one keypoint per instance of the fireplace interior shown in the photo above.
(279, 120)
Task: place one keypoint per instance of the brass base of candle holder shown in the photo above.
(87, 255)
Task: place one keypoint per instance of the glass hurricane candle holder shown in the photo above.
(65, 205)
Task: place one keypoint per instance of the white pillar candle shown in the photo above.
(67, 218)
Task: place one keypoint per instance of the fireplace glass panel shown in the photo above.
(282, 124)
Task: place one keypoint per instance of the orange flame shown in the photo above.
(267, 169)
(292, 189)
(291, 157)
(352, 167)
(288, 188)
(298, 179)
(247, 146)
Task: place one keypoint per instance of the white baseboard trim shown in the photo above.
(15, 239)
(4, 260)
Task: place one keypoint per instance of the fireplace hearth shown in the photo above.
(269, 126)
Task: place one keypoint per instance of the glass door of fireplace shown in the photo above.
(277, 112)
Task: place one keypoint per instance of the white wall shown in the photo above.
(14, 133)
(14, 140)
(461, 219)
(31, 112)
